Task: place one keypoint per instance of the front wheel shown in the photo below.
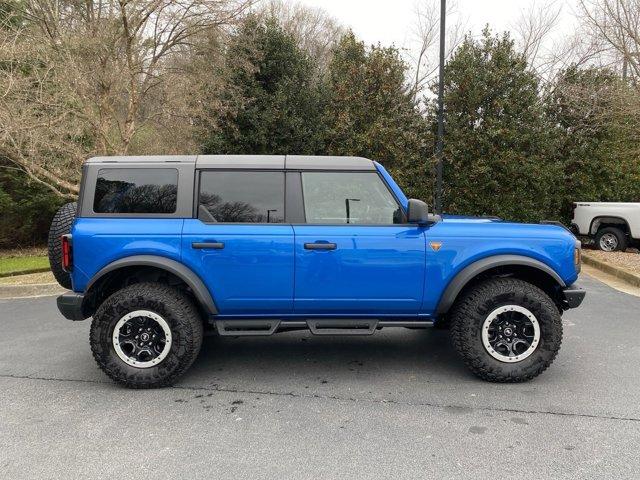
(506, 330)
(146, 335)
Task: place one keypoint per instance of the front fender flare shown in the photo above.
(194, 282)
(470, 271)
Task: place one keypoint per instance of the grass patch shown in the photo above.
(24, 252)
(17, 265)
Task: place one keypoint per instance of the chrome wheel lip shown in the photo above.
(499, 311)
(115, 338)
(608, 242)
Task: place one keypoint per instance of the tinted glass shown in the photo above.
(239, 197)
(136, 190)
(343, 197)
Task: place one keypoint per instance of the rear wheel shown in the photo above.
(60, 225)
(611, 239)
(146, 335)
(506, 330)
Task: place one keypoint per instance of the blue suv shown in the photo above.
(160, 249)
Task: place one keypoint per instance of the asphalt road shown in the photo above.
(396, 405)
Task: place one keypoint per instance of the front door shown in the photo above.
(356, 255)
(239, 244)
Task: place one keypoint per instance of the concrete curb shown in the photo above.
(25, 272)
(619, 272)
(34, 290)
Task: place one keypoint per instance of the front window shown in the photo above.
(349, 197)
(241, 197)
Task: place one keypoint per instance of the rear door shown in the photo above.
(355, 254)
(239, 244)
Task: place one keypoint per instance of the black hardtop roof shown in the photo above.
(269, 162)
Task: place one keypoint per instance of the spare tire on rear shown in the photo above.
(60, 225)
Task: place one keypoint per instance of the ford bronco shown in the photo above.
(160, 249)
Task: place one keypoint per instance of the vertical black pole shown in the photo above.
(440, 140)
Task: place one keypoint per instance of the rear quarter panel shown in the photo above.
(99, 241)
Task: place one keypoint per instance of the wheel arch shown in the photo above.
(149, 263)
(602, 221)
(519, 266)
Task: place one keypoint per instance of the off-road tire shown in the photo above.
(470, 312)
(60, 225)
(174, 307)
(620, 235)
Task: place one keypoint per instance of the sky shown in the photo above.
(391, 21)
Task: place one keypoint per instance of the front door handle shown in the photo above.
(208, 245)
(320, 246)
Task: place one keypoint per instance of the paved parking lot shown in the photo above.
(395, 405)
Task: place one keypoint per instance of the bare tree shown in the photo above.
(426, 40)
(533, 29)
(615, 26)
(97, 77)
(315, 31)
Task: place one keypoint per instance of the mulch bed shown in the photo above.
(629, 260)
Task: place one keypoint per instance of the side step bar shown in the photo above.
(343, 327)
(237, 328)
(261, 327)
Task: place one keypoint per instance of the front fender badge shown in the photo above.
(435, 246)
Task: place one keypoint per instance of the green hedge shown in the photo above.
(27, 209)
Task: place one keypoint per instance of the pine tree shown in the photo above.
(273, 98)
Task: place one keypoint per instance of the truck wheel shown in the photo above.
(506, 330)
(60, 225)
(146, 335)
(611, 239)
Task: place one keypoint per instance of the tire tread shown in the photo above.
(466, 319)
(60, 225)
(174, 304)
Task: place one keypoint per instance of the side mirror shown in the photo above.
(418, 212)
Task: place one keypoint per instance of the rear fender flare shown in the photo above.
(187, 275)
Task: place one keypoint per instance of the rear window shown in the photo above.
(241, 197)
(136, 190)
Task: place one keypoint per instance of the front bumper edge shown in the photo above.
(573, 296)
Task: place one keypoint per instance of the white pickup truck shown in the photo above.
(613, 226)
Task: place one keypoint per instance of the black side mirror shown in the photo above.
(417, 212)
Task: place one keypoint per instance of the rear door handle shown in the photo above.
(320, 246)
(208, 245)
